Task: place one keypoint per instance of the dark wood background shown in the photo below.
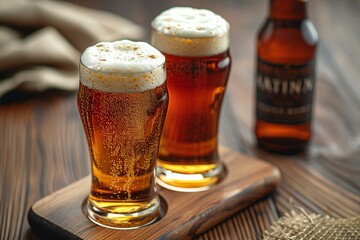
(43, 148)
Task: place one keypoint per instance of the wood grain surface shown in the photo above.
(185, 215)
(43, 148)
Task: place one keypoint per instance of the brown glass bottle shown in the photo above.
(285, 77)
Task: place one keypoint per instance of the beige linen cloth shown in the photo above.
(41, 42)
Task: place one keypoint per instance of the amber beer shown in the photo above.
(122, 102)
(285, 77)
(195, 43)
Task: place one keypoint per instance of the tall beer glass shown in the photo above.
(122, 101)
(195, 43)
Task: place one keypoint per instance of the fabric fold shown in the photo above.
(41, 42)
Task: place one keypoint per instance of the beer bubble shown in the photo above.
(119, 64)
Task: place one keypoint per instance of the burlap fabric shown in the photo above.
(41, 42)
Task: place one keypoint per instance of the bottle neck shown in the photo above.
(288, 9)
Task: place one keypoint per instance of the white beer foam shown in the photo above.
(186, 31)
(122, 66)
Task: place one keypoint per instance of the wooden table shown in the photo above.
(43, 148)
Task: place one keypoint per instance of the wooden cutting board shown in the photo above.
(184, 215)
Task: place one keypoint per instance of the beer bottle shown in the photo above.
(285, 77)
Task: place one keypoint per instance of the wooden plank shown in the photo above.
(262, 214)
(60, 215)
(304, 186)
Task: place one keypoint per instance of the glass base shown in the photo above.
(124, 221)
(192, 182)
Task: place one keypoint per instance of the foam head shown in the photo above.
(185, 31)
(122, 66)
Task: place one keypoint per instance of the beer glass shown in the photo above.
(195, 43)
(122, 101)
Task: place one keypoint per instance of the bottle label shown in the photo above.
(284, 92)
